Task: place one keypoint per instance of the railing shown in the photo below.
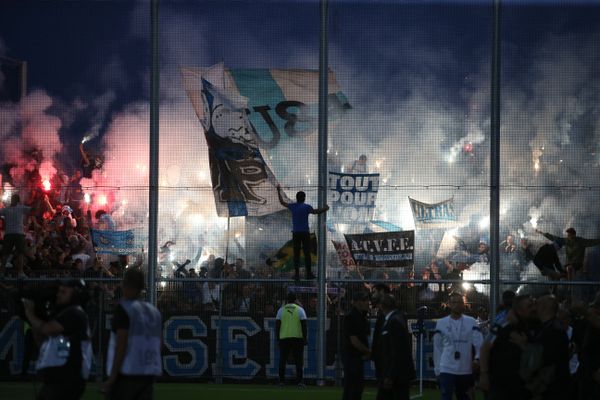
(224, 330)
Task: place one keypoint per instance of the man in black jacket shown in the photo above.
(356, 347)
(379, 291)
(553, 377)
(397, 366)
(66, 353)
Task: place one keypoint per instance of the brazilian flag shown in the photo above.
(283, 260)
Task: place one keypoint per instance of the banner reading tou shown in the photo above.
(352, 197)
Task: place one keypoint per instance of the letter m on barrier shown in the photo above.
(11, 342)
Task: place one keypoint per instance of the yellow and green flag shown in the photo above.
(283, 260)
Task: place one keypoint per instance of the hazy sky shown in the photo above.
(416, 73)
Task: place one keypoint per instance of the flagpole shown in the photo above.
(154, 144)
(322, 195)
(495, 164)
(228, 237)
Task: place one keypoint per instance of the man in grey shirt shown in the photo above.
(14, 235)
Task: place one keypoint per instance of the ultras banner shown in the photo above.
(242, 182)
(430, 216)
(352, 197)
(386, 249)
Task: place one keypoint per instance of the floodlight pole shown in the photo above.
(154, 144)
(495, 164)
(322, 196)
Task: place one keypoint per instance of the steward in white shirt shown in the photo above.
(456, 343)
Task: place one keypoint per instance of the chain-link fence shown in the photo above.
(224, 330)
(232, 102)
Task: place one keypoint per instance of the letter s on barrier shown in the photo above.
(193, 346)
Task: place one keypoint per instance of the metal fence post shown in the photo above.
(495, 164)
(154, 147)
(322, 195)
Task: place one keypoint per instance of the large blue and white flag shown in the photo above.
(281, 107)
(114, 242)
(243, 184)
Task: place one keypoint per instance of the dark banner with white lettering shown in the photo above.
(385, 249)
(352, 197)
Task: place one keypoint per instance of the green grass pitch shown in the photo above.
(195, 391)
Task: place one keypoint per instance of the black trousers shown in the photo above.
(294, 346)
(354, 377)
(302, 239)
(132, 388)
(62, 391)
(399, 391)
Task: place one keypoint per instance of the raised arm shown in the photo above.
(547, 235)
(281, 200)
(320, 210)
(84, 155)
(590, 242)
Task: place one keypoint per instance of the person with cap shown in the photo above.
(397, 365)
(136, 330)
(67, 218)
(65, 355)
(457, 341)
(574, 248)
(356, 331)
(300, 230)
(14, 234)
(290, 329)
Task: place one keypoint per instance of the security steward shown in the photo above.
(65, 355)
(356, 330)
(291, 333)
(397, 366)
(134, 358)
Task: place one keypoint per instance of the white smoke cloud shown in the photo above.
(416, 140)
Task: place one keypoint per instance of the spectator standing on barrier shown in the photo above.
(358, 166)
(397, 366)
(546, 258)
(14, 234)
(133, 357)
(300, 230)
(292, 336)
(574, 249)
(455, 339)
(65, 355)
(356, 330)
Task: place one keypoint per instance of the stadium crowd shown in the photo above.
(535, 349)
